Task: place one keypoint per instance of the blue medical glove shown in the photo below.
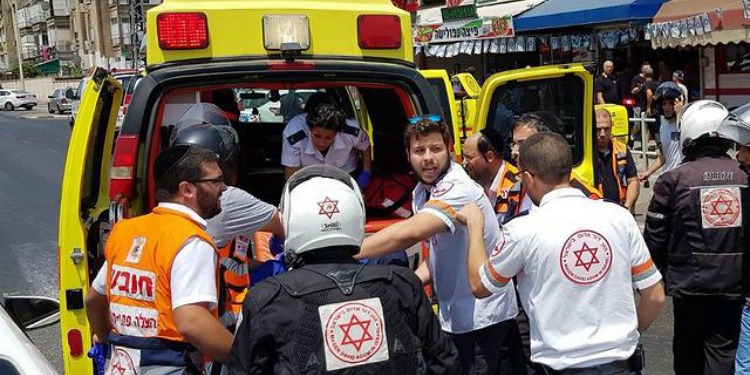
(364, 179)
(98, 353)
(267, 269)
(276, 245)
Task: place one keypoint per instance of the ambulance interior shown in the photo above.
(254, 109)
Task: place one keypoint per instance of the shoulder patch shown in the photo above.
(296, 137)
(441, 188)
(351, 130)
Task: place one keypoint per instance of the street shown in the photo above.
(33, 153)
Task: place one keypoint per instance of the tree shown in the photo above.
(30, 70)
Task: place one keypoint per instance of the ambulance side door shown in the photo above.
(441, 85)
(84, 199)
(565, 91)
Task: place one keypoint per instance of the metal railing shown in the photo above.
(644, 120)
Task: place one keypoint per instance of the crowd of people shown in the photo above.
(534, 271)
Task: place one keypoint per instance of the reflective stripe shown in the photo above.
(655, 215)
(497, 279)
(642, 267)
(442, 207)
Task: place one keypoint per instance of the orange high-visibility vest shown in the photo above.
(618, 166)
(139, 255)
(502, 204)
(235, 280)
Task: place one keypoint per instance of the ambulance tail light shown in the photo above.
(75, 343)
(122, 173)
(182, 31)
(379, 31)
(286, 29)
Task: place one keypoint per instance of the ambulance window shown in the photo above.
(7, 367)
(438, 86)
(561, 97)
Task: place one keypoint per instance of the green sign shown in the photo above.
(460, 12)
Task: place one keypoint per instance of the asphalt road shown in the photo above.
(33, 151)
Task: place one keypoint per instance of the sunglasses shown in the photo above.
(421, 118)
(215, 180)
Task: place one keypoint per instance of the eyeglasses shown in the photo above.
(214, 180)
(417, 119)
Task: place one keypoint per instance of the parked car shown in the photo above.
(19, 314)
(61, 100)
(258, 106)
(128, 90)
(12, 99)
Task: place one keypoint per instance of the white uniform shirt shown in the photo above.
(302, 153)
(669, 136)
(460, 311)
(192, 279)
(577, 261)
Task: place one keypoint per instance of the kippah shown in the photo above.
(169, 158)
(494, 138)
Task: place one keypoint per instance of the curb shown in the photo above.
(32, 117)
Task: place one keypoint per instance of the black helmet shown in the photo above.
(667, 90)
(205, 125)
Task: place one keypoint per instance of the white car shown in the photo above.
(18, 314)
(258, 107)
(12, 99)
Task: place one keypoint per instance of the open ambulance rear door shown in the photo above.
(84, 200)
(565, 91)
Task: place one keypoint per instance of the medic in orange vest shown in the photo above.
(614, 170)
(483, 161)
(154, 301)
(242, 214)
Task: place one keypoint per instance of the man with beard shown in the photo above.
(155, 298)
(483, 161)
(484, 331)
(242, 215)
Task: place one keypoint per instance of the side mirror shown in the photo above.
(32, 312)
(51, 96)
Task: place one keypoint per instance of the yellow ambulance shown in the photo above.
(358, 51)
(238, 53)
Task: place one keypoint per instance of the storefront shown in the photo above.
(477, 42)
(720, 31)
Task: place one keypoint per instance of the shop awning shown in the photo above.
(429, 16)
(553, 14)
(733, 27)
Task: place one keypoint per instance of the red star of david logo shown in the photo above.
(364, 325)
(328, 207)
(118, 367)
(579, 257)
(722, 203)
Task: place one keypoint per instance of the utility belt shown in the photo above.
(635, 363)
(151, 351)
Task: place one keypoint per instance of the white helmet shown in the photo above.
(700, 119)
(322, 207)
(736, 127)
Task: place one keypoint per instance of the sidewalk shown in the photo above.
(38, 112)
